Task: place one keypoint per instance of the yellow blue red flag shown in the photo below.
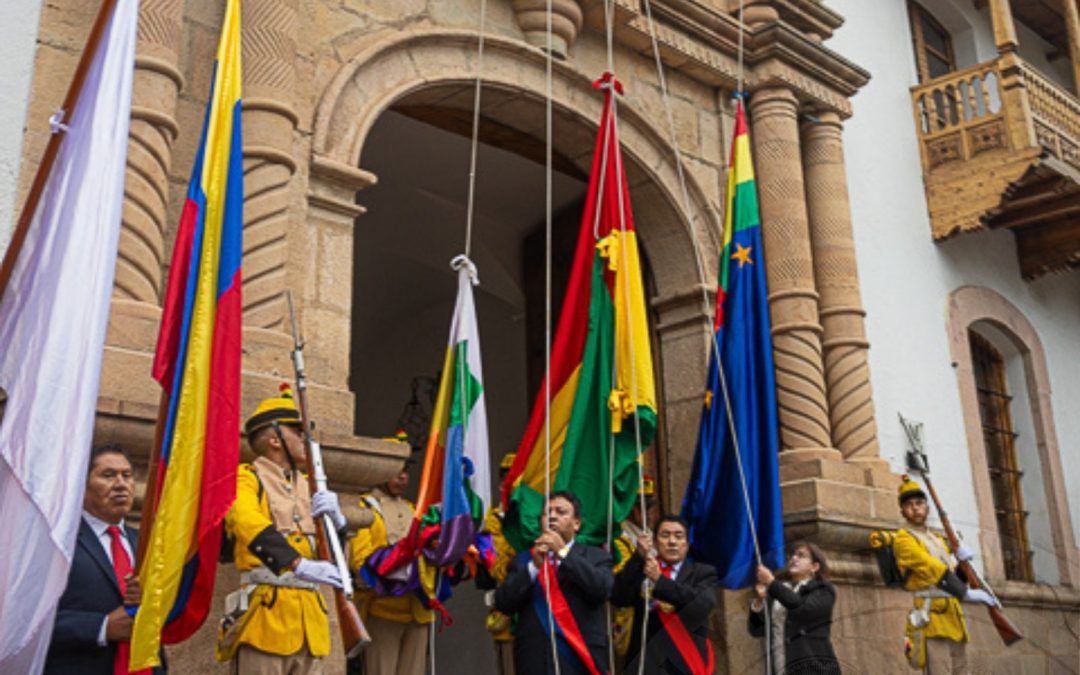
(198, 366)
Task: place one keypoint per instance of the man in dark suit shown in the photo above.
(577, 578)
(681, 595)
(93, 625)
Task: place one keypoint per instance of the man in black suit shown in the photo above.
(93, 625)
(681, 595)
(577, 578)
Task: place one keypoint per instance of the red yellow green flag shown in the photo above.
(603, 395)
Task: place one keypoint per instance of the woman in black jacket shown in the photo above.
(801, 613)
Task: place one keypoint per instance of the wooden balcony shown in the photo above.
(1000, 147)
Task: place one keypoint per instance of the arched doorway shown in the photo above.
(381, 118)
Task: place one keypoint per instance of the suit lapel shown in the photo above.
(92, 546)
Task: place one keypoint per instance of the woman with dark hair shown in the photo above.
(799, 611)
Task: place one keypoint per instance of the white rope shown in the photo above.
(547, 323)
(431, 629)
(697, 257)
(469, 209)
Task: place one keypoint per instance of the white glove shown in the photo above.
(963, 553)
(979, 595)
(318, 572)
(326, 502)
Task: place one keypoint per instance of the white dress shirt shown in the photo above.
(101, 531)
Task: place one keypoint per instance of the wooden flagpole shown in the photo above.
(48, 159)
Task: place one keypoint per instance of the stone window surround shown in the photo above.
(966, 306)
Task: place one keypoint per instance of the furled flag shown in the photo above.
(457, 471)
(603, 397)
(198, 365)
(715, 504)
(54, 311)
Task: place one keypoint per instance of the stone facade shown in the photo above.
(319, 73)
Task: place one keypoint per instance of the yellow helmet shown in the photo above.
(281, 409)
(909, 489)
(507, 461)
(648, 486)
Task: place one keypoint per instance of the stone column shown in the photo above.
(150, 139)
(847, 375)
(800, 380)
(269, 118)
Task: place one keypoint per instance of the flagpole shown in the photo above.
(150, 495)
(22, 228)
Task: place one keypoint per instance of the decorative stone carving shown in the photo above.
(268, 50)
(800, 379)
(847, 375)
(150, 138)
(566, 20)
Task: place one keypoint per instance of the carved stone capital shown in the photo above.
(566, 20)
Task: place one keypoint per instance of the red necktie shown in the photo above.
(666, 569)
(122, 567)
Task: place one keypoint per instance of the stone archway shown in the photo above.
(438, 66)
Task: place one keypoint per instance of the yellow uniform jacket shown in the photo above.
(625, 545)
(924, 558)
(271, 521)
(392, 518)
(498, 624)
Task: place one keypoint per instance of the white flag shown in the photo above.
(53, 317)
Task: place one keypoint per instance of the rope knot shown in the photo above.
(621, 405)
(462, 262)
(56, 122)
(607, 82)
(608, 248)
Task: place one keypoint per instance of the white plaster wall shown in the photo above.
(907, 278)
(20, 21)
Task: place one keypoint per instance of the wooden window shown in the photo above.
(1005, 472)
(932, 44)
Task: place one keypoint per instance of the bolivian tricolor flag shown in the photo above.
(601, 366)
(198, 366)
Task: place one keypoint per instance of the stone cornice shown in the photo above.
(781, 43)
(810, 15)
(702, 43)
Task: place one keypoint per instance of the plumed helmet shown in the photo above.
(909, 489)
(281, 409)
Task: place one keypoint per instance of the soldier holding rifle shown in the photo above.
(277, 621)
(936, 629)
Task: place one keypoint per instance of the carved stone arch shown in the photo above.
(439, 66)
(970, 305)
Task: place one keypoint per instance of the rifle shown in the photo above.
(917, 461)
(353, 633)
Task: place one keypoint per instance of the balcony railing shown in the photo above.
(1000, 147)
(959, 116)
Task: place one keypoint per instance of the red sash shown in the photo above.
(684, 642)
(681, 637)
(564, 618)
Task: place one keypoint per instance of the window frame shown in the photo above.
(1003, 464)
(916, 14)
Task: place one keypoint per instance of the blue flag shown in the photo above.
(715, 505)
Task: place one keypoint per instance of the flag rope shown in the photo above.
(704, 291)
(547, 317)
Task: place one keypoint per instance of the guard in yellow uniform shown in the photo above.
(277, 621)
(398, 625)
(498, 624)
(625, 545)
(936, 631)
